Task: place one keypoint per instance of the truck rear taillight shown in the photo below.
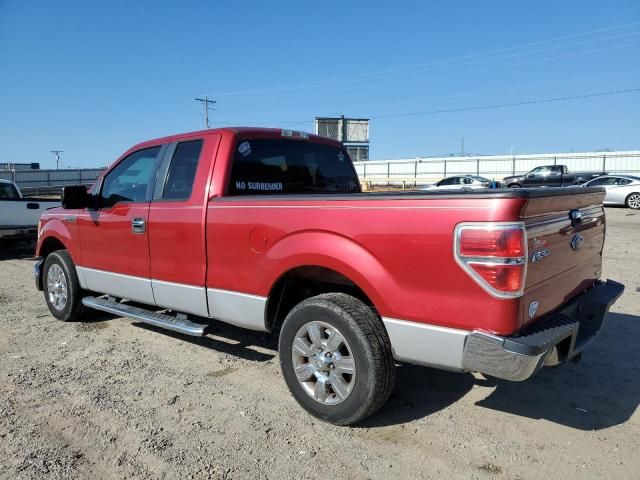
(491, 243)
(494, 255)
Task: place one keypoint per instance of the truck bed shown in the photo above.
(404, 242)
(429, 194)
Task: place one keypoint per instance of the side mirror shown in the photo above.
(75, 197)
(531, 175)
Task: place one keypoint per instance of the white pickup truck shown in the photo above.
(19, 215)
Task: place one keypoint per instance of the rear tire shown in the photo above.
(633, 201)
(514, 185)
(336, 358)
(61, 287)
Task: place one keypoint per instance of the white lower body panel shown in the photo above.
(427, 345)
(412, 342)
(116, 284)
(240, 309)
(180, 297)
(236, 308)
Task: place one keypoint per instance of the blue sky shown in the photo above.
(93, 78)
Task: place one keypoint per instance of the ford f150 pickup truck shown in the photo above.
(18, 215)
(268, 230)
(550, 176)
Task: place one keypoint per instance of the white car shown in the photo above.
(19, 216)
(462, 182)
(621, 189)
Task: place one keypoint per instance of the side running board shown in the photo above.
(178, 323)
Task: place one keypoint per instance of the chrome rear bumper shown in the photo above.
(556, 339)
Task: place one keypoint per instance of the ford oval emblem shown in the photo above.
(577, 241)
(533, 308)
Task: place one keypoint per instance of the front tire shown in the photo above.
(336, 358)
(633, 201)
(61, 287)
(514, 185)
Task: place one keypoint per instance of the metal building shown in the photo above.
(352, 132)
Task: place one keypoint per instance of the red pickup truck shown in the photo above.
(268, 230)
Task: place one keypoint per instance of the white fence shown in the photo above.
(496, 167)
(416, 171)
(36, 180)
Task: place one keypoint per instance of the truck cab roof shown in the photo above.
(240, 132)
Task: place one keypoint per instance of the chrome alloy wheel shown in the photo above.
(634, 200)
(323, 363)
(57, 287)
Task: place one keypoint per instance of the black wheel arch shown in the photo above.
(47, 247)
(302, 282)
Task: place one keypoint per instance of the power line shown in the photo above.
(516, 87)
(512, 104)
(512, 55)
(454, 95)
(364, 82)
(488, 107)
(479, 107)
(449, 74)
(317, 84)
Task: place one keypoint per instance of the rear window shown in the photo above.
(268, 167)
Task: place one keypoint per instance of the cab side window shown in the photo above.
(182, 171)
(7, 190)
(132, 179)
(539, 171)
(449, 181)
(598, 182)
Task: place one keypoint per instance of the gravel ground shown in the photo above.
(110, 398)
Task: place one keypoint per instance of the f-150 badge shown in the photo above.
(540, 255)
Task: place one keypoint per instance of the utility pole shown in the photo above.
(205, 104)
(462, 147)
(57, 154)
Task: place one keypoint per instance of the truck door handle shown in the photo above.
(33, 206)
(138, 225)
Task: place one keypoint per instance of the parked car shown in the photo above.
(621, 189)
(462, 182)
(550, 176)
(18, 215)
(268, 230)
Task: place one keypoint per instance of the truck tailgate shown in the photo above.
(565, 237)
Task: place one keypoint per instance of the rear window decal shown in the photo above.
(244, 149)
(340, 156)
(272, 186)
